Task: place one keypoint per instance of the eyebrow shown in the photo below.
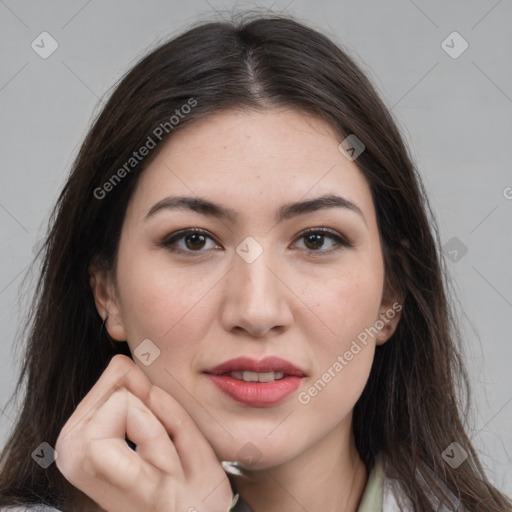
(285, 212)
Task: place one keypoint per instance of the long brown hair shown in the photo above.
(415, 401)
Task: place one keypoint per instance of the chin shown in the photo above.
(254, 454)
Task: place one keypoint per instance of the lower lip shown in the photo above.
(256, 394)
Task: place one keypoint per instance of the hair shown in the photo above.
(411, 408)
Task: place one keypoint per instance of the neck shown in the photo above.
(330, 476)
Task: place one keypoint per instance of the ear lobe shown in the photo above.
(389, 316)
(103, 291)
(394, 294)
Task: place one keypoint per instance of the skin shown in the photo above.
(208, 305)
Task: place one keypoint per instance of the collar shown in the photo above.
(372, 498)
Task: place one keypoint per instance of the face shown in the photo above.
(250, 284)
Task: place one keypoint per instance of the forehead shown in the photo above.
(254, 160)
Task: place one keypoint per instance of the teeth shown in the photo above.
(266, 377)
(252, 376)
(256, 377)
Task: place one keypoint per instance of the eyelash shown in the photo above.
(170, 240)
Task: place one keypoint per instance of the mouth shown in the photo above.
(246, 368)
(256, 383)
(247, 376)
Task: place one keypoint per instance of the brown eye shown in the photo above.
(315, 240)
(195, 240)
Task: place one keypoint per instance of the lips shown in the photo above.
(255, 383)
(267, 364)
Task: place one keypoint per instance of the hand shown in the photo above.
(174, 468)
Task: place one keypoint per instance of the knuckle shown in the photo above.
(66, 460)
(64, 442)
(164, 402)
(157, 396)
(126, 373)
(120, 364)
(164, 399)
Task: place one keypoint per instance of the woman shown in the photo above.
(242, 302)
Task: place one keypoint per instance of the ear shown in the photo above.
(390, 313)
(103, 290)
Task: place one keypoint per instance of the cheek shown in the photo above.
(169, 308)
(160, 301)
(330, 396)
(342, 354)
(345, 304)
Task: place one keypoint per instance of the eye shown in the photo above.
(315, 238)
(194, 240)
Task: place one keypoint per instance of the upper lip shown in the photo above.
(267, 364)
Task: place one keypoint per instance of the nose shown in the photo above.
(257, 298)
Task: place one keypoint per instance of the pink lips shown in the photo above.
(257, 394)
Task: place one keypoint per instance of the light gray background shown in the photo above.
(454, 113)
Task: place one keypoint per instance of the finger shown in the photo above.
(125, 412)
(193, 449)
(104, 467)
(188, 440)
(115, 479)
(191, 445)
(120, 371)
(154, 444)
